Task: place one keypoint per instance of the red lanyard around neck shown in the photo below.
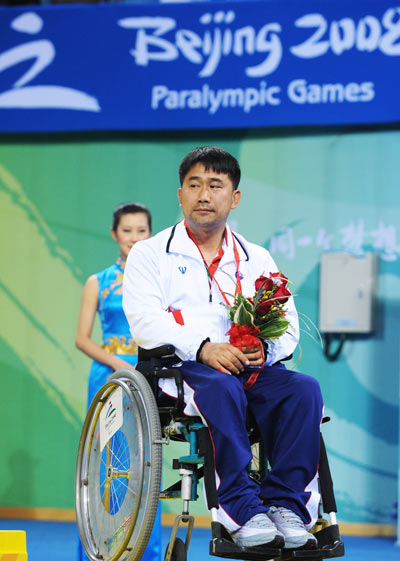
(212, 268)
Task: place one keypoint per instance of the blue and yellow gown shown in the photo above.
(117, 340)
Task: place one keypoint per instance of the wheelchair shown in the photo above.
(118, 472)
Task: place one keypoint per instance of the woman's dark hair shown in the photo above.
(212, 157)
(129, 208)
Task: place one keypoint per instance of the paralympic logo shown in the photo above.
(110, 409)
(43, 52)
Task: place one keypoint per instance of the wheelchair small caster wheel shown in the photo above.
(178, 552)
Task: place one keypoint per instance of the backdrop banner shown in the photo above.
(204, 65)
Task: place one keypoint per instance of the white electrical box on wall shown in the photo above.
(347, 292)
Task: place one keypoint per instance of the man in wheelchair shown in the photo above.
(175, 288)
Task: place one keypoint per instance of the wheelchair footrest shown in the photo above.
(314, 554)
(329, 546)
(222, 545)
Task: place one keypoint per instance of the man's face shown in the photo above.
(206, 197)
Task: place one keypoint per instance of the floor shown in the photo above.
(56, 541)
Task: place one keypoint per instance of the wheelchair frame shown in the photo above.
(119, 496)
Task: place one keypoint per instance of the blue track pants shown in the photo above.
(287, 407)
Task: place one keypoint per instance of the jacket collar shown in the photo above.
(179, 242)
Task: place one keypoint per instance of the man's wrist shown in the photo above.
(198, 359)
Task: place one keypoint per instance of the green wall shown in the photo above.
(302, 191)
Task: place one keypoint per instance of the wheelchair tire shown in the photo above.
(118, 472)
(178, 552)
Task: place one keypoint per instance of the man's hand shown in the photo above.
(255, 355)
(227, 358)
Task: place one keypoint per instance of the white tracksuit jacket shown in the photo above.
(167, 273)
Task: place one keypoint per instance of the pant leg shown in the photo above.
(221, 401)
(288, 406)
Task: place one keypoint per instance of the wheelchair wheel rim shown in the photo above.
(110, 481)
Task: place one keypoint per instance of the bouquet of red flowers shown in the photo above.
(260, 317)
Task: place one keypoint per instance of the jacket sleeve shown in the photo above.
(145, 305)
(284, 346)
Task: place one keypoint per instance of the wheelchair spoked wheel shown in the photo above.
(118, 472)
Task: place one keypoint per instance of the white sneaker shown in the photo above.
(259, 530)
(292, 528)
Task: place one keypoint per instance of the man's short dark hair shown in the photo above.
(212, 157)
(129, 208)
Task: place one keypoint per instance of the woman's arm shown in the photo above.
(87, 314)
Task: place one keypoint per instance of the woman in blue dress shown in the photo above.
(102, 293)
